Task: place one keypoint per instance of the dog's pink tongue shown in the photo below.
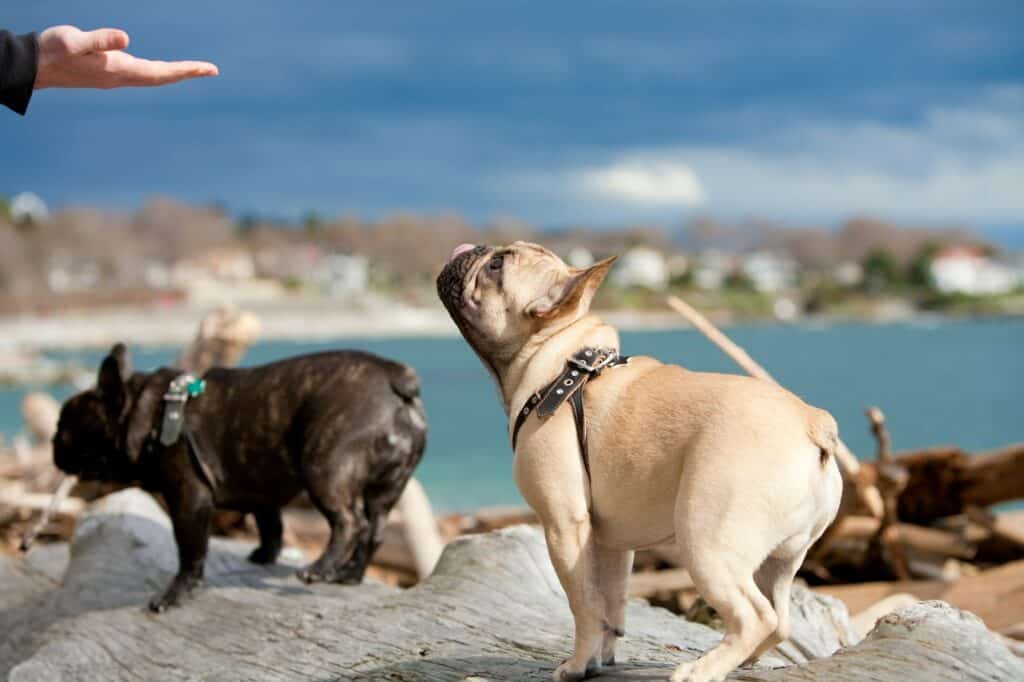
(459, 250)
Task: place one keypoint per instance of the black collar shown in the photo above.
(173, 424)
(583, 365)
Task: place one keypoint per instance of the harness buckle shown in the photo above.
(593, 360)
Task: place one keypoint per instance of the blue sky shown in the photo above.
(556, 113)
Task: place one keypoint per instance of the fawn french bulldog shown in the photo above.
(738, 473)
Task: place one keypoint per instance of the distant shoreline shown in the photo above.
(304, 321)
(298, 320)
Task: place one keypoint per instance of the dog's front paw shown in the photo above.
(174, 593)
(318, 572)
(569, 673)
(611, 638)
(264, 555)
(692, 672)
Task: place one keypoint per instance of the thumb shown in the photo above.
(102, 40)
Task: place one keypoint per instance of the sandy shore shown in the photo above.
(299, 319)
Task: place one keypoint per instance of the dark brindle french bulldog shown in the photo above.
(346, 427)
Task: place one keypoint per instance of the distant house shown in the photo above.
(848, 273)
(968, 270)
(711, 269)
(678, 265)
(579, 257)
(28, 207)
(226, 264)
(66, 275)
(340, 274)
(218, 274)
(641, 267)
(769, 272)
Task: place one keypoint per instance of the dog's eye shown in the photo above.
(496, 263)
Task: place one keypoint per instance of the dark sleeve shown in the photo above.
(18, 55)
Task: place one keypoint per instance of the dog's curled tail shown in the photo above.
(404, 381)
(824, 432)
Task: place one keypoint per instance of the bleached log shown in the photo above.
(491, 610)
(224, 336)
(420, 528)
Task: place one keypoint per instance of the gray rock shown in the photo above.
(492, 610)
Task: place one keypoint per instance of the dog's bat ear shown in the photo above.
(114, 372)
(574, 293)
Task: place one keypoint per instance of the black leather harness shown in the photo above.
(584, 365)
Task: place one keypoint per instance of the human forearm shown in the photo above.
(19, 57)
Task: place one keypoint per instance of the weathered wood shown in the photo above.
(223, 337)
(864, 621)
(419, 528)
(992, 477)
(995, 595)
(492, 610)
(927, 641)
(945, 480)
(646, 584)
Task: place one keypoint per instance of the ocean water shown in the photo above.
(938, 382)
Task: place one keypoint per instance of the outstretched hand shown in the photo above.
(71, 58)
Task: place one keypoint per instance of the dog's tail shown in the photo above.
(404, 381)
(823, 432)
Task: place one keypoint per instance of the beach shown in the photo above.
(293, 319)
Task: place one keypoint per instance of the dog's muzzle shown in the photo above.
(452, 280)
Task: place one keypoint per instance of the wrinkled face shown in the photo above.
(86, 442)
(501, 296)
(89, 442)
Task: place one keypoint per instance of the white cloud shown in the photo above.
(956, 164)
(644, 181)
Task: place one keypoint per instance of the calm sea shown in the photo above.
(938, 381)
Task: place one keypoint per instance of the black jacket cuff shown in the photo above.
(18, 63)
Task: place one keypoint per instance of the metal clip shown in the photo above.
(605, 356)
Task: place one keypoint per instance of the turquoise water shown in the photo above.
(956, 382)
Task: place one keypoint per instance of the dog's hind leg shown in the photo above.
(747, 614)
(335, 485)
(723, 545)
(268, 521)
(613, 568)
(347, 522)
(775, 580)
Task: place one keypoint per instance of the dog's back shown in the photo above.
(280, 425)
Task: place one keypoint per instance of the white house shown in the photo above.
(641, 267)
(711, 269)
(340, 274)
(967, 270)
(848, 273)
(28, 207)
(579, 257)
(769, 272)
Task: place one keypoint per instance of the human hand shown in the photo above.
(71, 58)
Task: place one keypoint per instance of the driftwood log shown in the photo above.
(492, 610)
(945, 480)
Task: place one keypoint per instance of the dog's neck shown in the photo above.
(540, 360)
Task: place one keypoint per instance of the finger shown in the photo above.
(144, 72)
(101, 40)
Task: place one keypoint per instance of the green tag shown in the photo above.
(195, 387)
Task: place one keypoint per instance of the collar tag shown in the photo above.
(177, 395)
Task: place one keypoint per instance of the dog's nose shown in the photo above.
(459, 250)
